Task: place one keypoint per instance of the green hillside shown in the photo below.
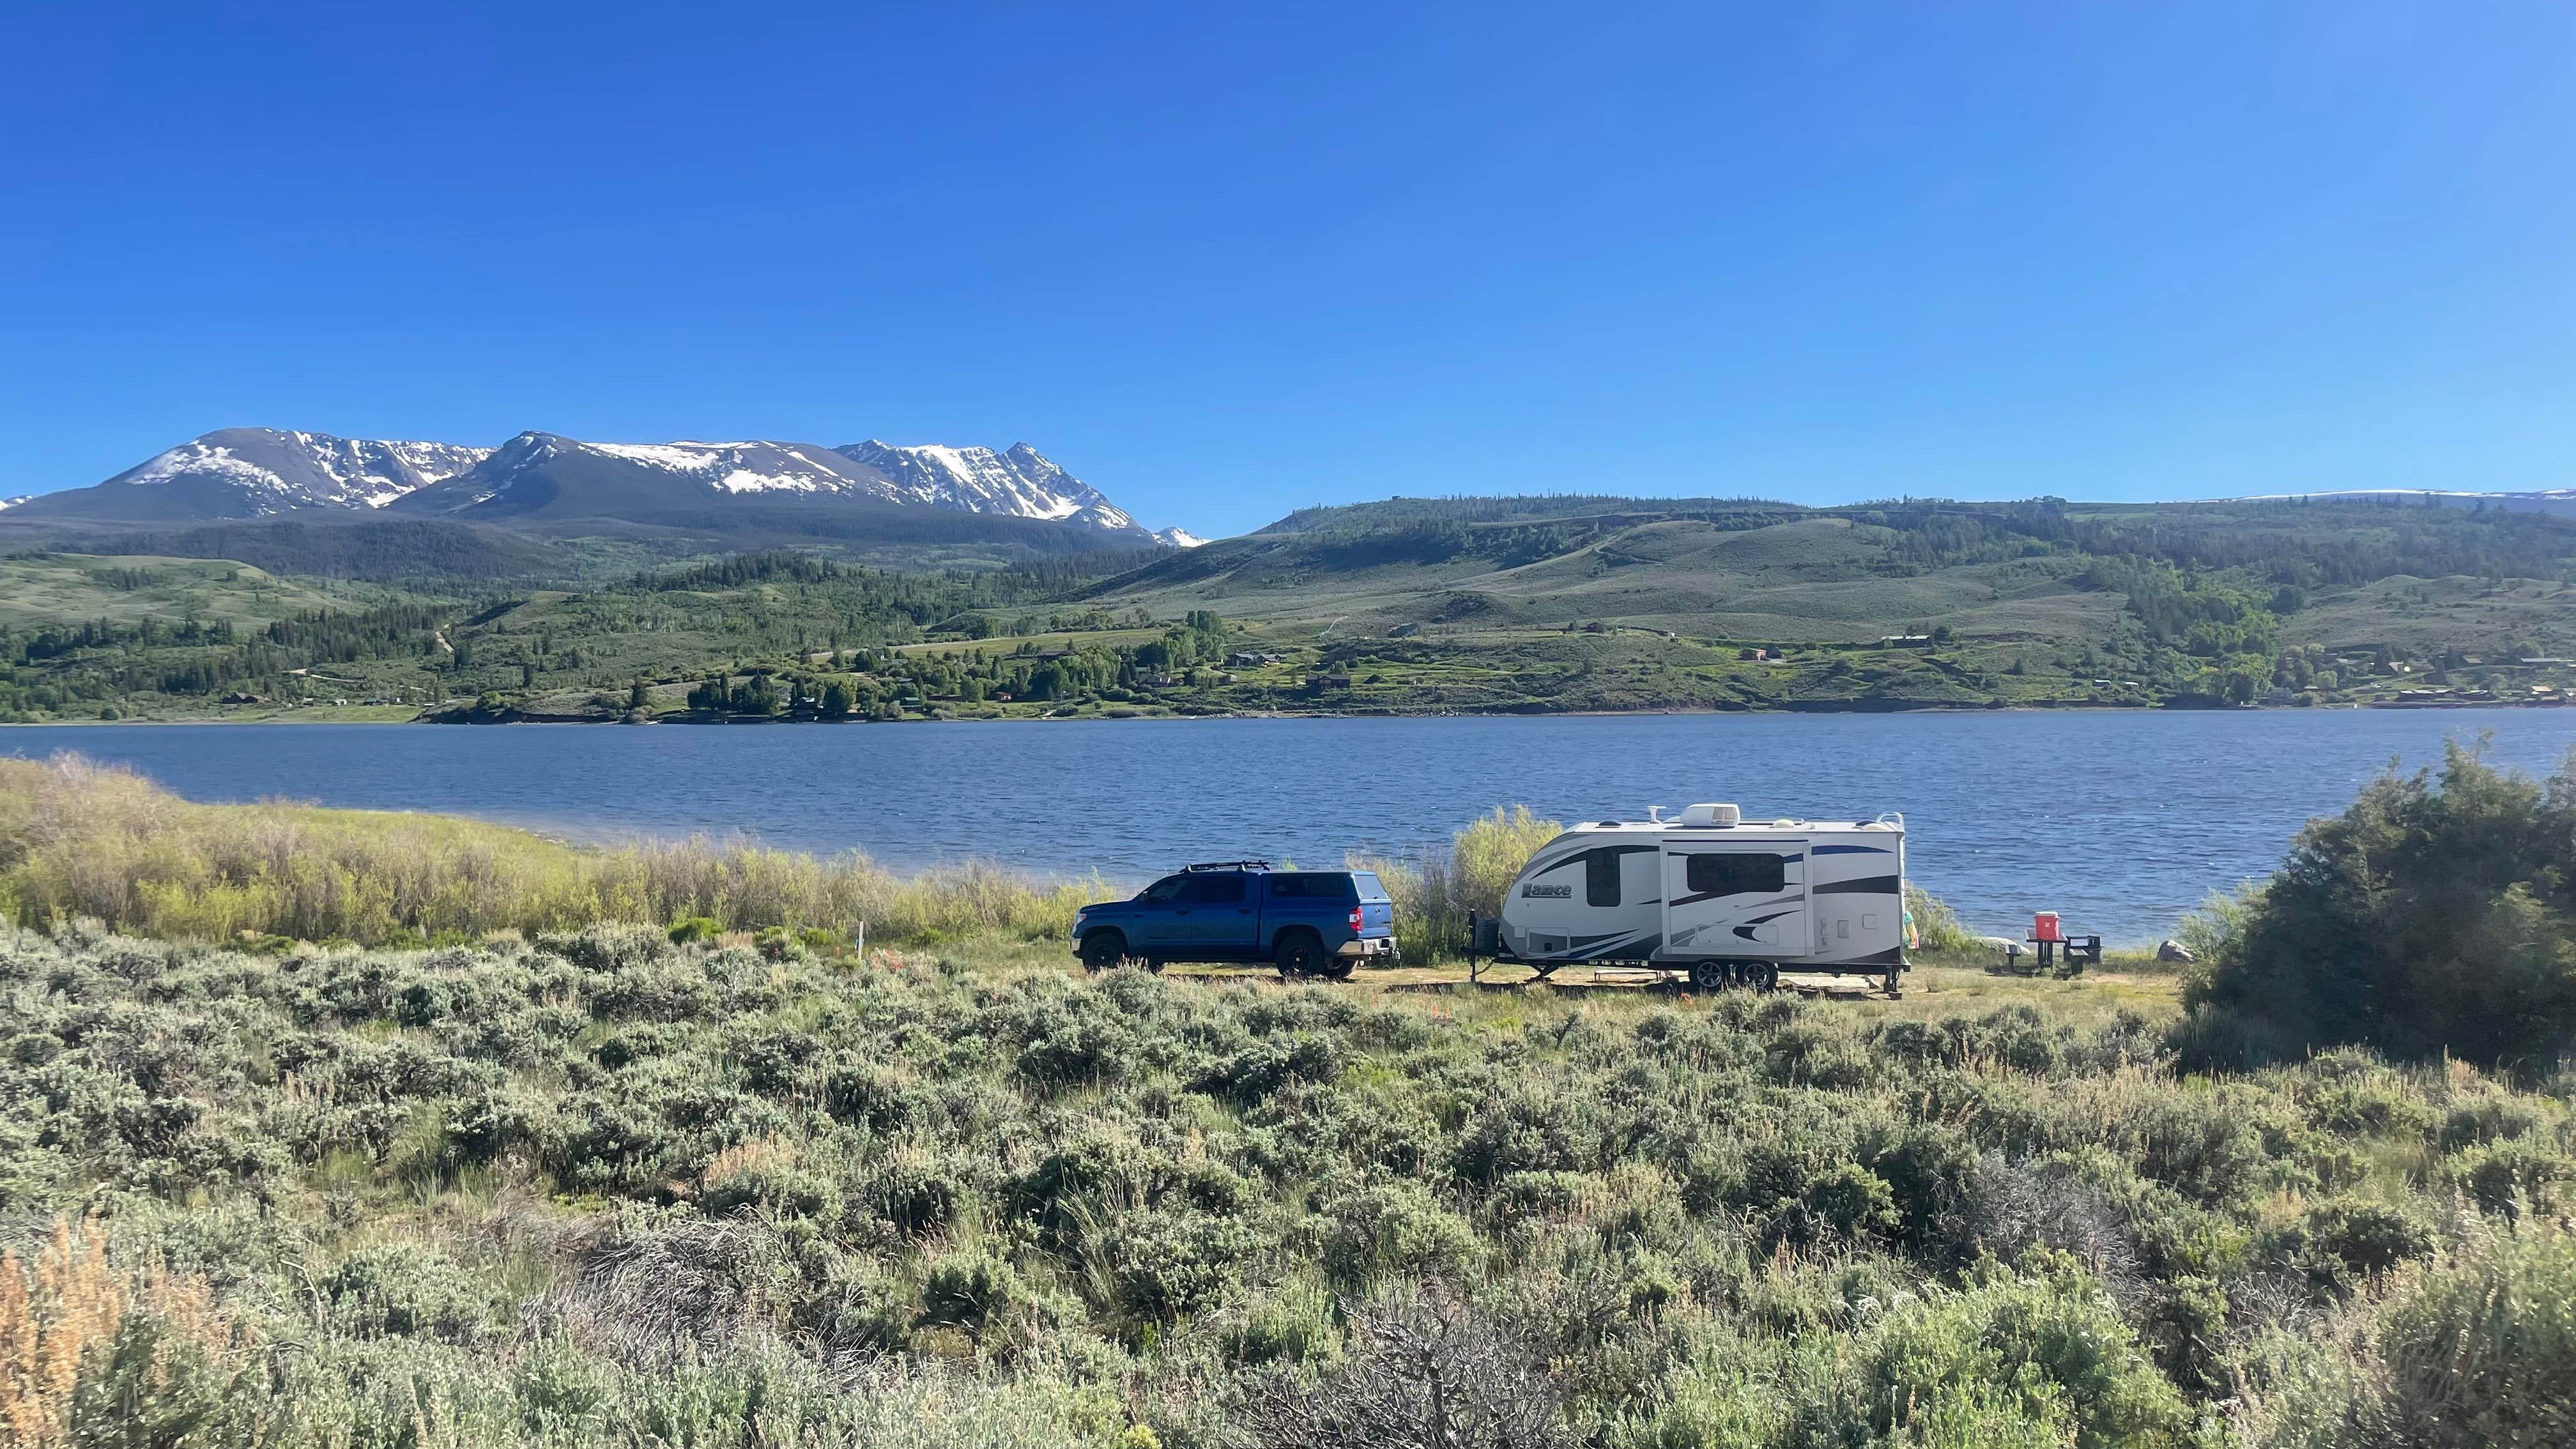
(53, 589)
(1567, 602)
(86, 638)
(1404, 606)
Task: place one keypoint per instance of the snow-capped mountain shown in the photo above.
(1020, 481)
(256, 472)
(1177, 538)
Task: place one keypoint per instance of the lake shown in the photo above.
(2121, 821)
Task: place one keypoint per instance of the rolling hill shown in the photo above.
(1405, 606)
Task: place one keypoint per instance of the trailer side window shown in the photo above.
(1601, 878)
(1734, 875)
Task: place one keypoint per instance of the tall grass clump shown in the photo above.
(1435, 891)
(79, 839)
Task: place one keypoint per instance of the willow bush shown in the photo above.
(1435, 891)
(2435, 916)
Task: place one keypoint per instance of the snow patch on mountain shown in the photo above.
(1178, 538)
(1019, 480)
(283, 470)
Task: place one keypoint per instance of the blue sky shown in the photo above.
(1224, 261)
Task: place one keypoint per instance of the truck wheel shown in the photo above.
(1102, 950)
(1301, 953)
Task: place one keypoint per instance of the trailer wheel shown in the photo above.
(1710, 975)
(1102, 950)
(1300, 953)
(1764, 976)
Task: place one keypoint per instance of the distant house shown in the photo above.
(1055, 654)
(1328, 681)
(1904, 641)
(1752, 653)
(1404, 631)
(1160, 680)
(1248, 659)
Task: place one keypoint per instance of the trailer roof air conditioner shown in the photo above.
(1720, 815)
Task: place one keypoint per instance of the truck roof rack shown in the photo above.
(1229, 865)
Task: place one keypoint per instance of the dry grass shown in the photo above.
(51, 1318)
(79, 839)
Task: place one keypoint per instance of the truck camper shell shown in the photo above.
(1728, 901)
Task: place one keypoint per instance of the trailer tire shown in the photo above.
(1710, 975)
(1763, 977)
(1102, 950)
(1300, 953)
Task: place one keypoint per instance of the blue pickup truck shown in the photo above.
(1306, 922)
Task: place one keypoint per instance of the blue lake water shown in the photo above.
(2121, 821)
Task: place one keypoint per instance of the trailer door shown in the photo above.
(1736, 900)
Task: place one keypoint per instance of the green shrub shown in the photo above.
(2512, 1176)
(2480, 1351)
(2427, 918)
(1392, 1230)
(2044, 1346)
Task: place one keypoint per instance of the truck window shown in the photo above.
(1306, 887)
(1601, 878)
(1734, 875)
(1212, 890)
(1162, 891)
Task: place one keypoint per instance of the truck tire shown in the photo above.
(1300, 953)
(1102, 950)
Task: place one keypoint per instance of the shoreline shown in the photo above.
(1134, 715)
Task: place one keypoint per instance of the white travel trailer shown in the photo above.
(1730, 901)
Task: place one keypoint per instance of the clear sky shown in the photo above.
(1226, 260)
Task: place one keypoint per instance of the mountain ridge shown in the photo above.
(252, 473)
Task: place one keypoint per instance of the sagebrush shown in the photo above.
(601, 1187)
